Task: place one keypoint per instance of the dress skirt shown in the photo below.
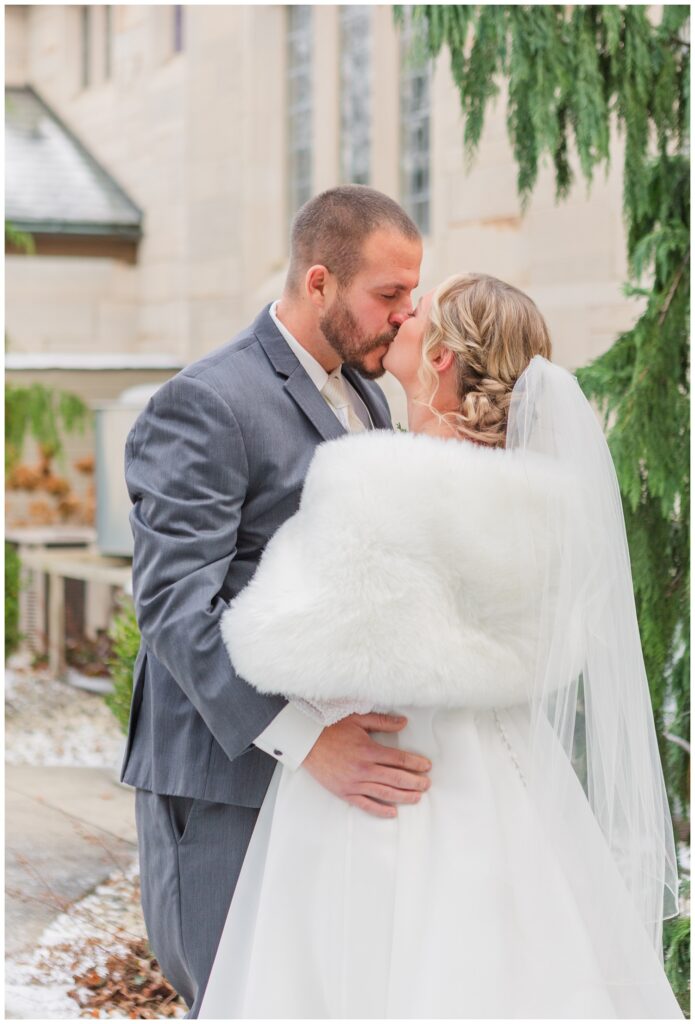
(459, 907)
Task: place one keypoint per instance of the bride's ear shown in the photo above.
(443, 360)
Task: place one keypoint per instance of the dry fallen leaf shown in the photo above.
(129, 983)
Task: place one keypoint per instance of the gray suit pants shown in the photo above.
(191, 853)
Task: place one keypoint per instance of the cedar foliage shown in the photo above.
(575, 75)
(43, 413)
(572, 73)
(18, 240)
(677, 955)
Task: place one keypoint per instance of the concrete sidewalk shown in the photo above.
(66, 830)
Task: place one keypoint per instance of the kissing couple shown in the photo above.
(391, 732)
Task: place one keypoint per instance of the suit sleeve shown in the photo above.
(187, 477)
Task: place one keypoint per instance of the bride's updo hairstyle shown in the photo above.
(494, 331)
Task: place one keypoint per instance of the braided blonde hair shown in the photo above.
(494, 331)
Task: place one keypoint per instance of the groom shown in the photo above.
(214, 465)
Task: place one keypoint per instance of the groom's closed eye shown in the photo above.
(392, 291)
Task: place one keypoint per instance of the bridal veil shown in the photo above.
(590, 704)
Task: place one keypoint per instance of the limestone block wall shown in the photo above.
(198, 139)
(70, 304)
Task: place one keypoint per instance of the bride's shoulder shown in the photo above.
(386, 453)
(393, 451)
(396, 481)
(398, 466)
(385, 458)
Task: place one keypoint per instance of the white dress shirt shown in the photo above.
(292, 733)
(318, 375)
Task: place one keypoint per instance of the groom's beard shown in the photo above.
(343, 334)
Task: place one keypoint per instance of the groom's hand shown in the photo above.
(348, 762)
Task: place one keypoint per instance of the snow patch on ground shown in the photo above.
(50, 723)
(37, 984)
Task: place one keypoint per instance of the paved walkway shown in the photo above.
(66, 831)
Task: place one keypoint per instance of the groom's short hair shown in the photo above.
(332, 227)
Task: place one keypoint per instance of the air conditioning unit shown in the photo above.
(113, 421)
(33, 602)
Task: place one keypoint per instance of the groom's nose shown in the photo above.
(399, 316)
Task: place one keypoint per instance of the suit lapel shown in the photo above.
(301, 388)
(379, 420)
(297, 382)
(312, 403)
(279, 353)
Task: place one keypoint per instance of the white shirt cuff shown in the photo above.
(290, 736)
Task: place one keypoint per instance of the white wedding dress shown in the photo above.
(471, 590)
(455, 908)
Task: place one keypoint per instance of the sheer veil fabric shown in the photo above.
(532, 878)
(600, 718)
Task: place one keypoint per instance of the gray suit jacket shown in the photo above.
(214, 465)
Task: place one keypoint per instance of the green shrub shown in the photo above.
(125, 635)
(677, 956)
(12, 581)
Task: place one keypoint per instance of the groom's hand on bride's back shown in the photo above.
(348, 762)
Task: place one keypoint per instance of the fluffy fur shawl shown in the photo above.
(410, 575)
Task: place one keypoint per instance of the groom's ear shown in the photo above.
(318, 283)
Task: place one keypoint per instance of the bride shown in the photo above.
(473, 575)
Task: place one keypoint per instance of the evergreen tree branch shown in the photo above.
(575, 77)
(672, 289)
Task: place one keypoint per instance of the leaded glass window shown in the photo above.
(416, 73)
(178, 28)
(299, 104)
(108, 40)
(355, 93)
(86, 45)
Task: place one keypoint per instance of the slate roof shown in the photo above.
(52, 182)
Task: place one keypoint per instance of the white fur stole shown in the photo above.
(410, 575)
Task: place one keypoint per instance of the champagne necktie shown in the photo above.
(336, 394)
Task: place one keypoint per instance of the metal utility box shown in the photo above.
(113, 421)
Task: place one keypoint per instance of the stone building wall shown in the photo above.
(199, 141)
